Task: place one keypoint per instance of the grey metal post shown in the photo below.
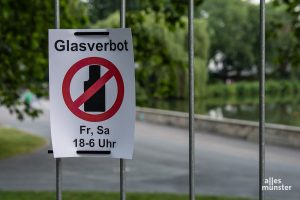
(191, 102)
(57, 160)
(58, 179)
(262, 101)
(122, 13)
(122, 161)
(122, 179)
(57, 14)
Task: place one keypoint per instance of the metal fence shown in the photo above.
(191, 105)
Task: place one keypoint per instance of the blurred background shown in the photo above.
(226, 87)
(226, 53)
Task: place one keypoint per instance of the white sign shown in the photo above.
(92, 92)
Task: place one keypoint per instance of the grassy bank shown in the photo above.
(244, 92)
(103, 196)
(251, 89)
(14, 142)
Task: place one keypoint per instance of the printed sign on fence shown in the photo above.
(92, 92)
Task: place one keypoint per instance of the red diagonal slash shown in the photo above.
(74, 106)
(93, 89)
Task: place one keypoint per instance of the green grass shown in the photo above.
(14, 142)
(103, 196)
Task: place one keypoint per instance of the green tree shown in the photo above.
(24, 47)
(280, 42)
(233, 32)
(171, 9)
(102, 9)
(161, 54)
(291, 28)
(159, 31)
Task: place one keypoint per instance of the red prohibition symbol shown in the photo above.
(74, 105)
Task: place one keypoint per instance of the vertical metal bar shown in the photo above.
(122, 161)
(58, 160)
(262, 101)
(58, 179)
(122, 179)
(122, 13)
(57, 14)
(191, 102)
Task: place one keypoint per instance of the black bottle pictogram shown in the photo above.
(97, 102)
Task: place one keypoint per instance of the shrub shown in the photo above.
(251, 89)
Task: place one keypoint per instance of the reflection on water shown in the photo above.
(278, 110)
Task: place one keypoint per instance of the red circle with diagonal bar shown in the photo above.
(74, 105)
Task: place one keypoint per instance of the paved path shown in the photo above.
(223, 165)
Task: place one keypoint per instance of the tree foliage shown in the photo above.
(292, 12)
(161, 54)
(280, 42)
(24, 47)
(172, 10)
(232, 32)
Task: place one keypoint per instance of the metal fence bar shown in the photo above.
(122, 161)
(56, 15)
(122, 179)
(191, 102)
(262, 101)
(58, 161)
(122, 13)
(58, 179)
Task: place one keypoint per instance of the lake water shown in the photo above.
(278, 110)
